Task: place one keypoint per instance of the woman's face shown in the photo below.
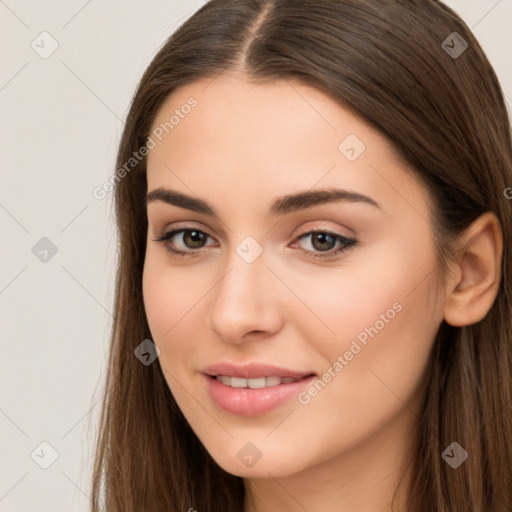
(339, 289)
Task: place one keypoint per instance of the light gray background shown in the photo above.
(61, 121)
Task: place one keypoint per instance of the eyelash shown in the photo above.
(348, 243)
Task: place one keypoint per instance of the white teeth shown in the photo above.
(224, 379)
(258, 383)
(238, 382)
(273, 381)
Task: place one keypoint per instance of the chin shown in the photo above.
(266, 467)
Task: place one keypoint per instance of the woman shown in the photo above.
(313, 305)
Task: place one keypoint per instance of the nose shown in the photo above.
(245, 302)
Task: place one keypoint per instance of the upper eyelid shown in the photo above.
(178, 229)
(197, 225)
(346, 243)
(307, 232)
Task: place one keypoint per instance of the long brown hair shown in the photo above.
(445, 113)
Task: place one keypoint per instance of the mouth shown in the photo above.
(255, 396)
(258, 382)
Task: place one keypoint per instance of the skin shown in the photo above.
(241, 147)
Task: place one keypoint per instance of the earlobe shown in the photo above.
(475, 280)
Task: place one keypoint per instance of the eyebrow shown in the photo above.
(281, 206)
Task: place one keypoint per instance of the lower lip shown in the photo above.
(251, 402)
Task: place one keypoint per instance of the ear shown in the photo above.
(476, 276)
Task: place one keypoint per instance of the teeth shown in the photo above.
(261, 382)
(224, 379)
(273, 381)
(238, 382)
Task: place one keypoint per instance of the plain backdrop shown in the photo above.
(61, 120)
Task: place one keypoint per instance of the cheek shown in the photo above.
(385, 320)
(168, 296)
(169, 302)
(176, 305)
(381, 311)
(365, 292)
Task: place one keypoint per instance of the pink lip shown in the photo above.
(252, 371)
(251, 402)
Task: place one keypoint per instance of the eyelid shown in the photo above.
(334, 231)
(302, 231)
(169, 232)
(183, 226)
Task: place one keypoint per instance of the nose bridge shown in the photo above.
(243, 299)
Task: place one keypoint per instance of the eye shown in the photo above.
(190, 238)
(323, 242)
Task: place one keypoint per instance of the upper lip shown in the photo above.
(252, 371)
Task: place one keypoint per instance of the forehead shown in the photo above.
(283, 135)
(253, 114)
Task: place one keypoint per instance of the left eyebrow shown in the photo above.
(281, 206)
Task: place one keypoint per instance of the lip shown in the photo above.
(252, 371)
(248, 401)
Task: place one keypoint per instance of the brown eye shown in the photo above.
(191, 241)
(323, 241)
(194, 239)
